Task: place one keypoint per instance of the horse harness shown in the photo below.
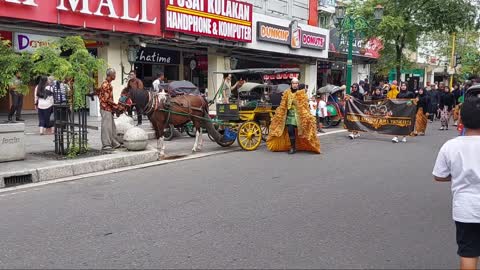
(156, 104)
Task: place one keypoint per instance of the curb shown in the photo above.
(107, 164)
(85, 166)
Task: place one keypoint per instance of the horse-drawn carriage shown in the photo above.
(246, 117)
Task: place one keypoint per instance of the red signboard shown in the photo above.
(131, 16)
(222, 19)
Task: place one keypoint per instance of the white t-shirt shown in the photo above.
(44, 103)
(156, 85)
(322, 108)
(460, 158)
(313, 107)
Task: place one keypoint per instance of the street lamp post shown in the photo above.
(350, 24)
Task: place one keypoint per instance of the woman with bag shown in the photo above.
(44, 105)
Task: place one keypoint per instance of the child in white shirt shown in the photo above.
(458, 162)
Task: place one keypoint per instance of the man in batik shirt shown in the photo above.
(107, 108)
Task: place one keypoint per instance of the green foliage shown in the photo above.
(83, 68)
(404, 21)
(74, 150)
(80, 66)
(10, 63)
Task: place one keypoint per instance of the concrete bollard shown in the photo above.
(135, 139)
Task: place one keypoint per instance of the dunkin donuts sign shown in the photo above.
(292, 36)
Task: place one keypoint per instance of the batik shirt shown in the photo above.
(106, 97)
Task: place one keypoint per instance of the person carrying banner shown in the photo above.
(422, 113)
(355, 93)
(292, 126)
(403, 94)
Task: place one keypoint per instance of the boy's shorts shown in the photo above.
(468, 239)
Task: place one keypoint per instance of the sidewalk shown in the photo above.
(41, 164)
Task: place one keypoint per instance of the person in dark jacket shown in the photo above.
(422, 112)
(434, 97)
(404, 94)
(356, 92)
(377, 94)
(447, 102)
(358, 96)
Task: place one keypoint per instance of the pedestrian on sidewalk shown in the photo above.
(422, 112)
(44, 105)
(160, 80)
(135, 84)
(403, 94)
(457, 162)
(107, 108)
(17, 98)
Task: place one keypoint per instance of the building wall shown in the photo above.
(286, 9)
(115, 55)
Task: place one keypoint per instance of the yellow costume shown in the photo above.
(392, 94)
(293, 105)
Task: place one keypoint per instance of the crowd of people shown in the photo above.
(434, 102)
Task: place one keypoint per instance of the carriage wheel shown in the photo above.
(190, 129)
(249, 136)
(168, 133)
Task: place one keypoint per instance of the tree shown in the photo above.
(79, 65)
(10, 63)
(404, 21)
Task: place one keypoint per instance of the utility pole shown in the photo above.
(452, 60)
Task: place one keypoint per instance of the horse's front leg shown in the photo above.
(161, 146)
(161, 142)
(200, 138)
(195, 145)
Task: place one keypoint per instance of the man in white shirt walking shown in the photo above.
(160, 79)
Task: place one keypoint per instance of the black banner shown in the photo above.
(393, 117)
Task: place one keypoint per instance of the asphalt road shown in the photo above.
(366, 203)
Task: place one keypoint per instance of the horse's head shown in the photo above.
(126, 98)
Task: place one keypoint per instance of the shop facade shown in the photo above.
(106, 26)
(334, 70)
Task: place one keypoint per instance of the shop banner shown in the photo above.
(222, 19)
(158, 56)
(130, 16)
(339, 44)
(292, 36)
(392, 117)
(23, 42)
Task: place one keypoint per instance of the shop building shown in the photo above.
(365, 54)
(106, 26)
(182, 41)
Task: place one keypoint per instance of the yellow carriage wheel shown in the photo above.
(249, 136)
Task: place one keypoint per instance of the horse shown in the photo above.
(163, 110)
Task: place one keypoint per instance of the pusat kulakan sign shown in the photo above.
(292, 36)
(222, 19)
